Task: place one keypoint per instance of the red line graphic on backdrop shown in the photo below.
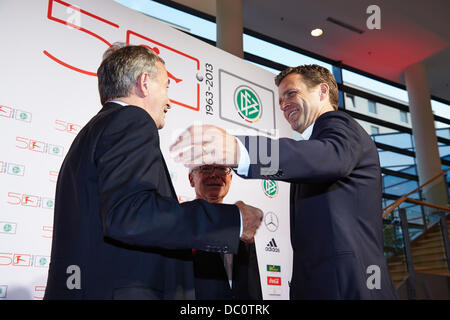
(68, 65)
(51, 17)
(171, 76)
(183, 83)
(159, 46)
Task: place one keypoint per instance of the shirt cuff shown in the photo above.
(242, 227)
(244, 160)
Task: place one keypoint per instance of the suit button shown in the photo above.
(225, 249)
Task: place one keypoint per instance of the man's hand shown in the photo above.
(251, 219)
(206, 144)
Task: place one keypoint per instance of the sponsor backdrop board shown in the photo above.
(48, 92)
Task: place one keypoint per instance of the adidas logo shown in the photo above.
(272, 246)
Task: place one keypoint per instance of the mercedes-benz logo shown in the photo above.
(271, 221)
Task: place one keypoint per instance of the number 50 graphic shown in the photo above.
(182, 67)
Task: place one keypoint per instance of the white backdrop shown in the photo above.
(50, 52)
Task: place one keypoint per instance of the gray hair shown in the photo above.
(121, 66)
(114, 47)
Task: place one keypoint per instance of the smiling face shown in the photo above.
(302, 104)
(211, 184)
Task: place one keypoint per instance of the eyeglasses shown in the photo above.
(223, 171)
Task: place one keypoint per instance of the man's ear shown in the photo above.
(191, 180)
(143, 85)
(324, 91)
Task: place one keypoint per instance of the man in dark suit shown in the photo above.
(119, 231)
(335, 197)
(223, 276)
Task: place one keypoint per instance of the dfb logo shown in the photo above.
(8, 112)
(8, 227)
(12, 168)
(3, 291)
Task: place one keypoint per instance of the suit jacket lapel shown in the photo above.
(168, 175)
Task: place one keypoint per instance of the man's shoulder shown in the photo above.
(338, 120)
(117, 118)
(113, 110)
(336, 116)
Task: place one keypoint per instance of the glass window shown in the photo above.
(440, 109)
(374, 130)
(378, 111)
(397, 162)
(392, 137)
(445, 167)
(399, 186)
(442, 129)
(373, 86)
(403, 116)
(372, 107)
(349, 100)
(176, 18)
(278, 54)
(444, 150)
(274, 71)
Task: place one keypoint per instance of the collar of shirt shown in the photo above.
(119, 102)
(308, 132)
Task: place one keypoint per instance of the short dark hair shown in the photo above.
(313, 75)
(121, 68)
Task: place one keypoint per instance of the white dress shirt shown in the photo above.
(244, 160)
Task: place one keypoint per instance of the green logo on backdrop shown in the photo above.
(7, 227)
(248, 104)
(273, 268)
(270, 188)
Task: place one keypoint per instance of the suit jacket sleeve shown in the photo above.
(332, 153)
(132, 211)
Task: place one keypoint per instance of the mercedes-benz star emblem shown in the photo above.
(271, 221)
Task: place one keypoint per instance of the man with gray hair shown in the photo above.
(119, 231)
(223, 276)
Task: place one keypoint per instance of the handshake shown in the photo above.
(251, 219)
(211, 145)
